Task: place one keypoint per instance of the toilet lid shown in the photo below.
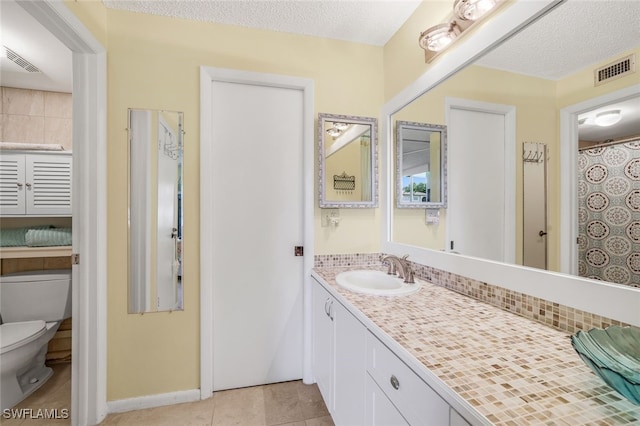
(15, 334)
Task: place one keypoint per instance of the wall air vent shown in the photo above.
(20, 61)
(617, 69)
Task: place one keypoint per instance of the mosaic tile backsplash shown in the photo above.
(543, 311)
(511, 370)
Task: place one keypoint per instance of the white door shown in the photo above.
(257, 197)
(480, 207)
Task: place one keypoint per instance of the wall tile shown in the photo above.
(23, 102)
(58, 105)
(58, 131)
(23, 128)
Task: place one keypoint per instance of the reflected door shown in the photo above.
(534, 200)
(257, 186)
(167, 267)
(476, 214)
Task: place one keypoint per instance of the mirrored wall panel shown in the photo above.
(347, 153)
(155, 210)
(421, 159)
(521, 87)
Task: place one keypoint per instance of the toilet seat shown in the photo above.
(16, 334)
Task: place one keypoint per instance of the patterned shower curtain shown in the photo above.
(609, 213)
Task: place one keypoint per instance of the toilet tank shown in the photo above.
(36, 295)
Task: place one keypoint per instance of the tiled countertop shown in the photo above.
(511, 370)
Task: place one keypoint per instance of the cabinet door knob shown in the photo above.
(395, 382)
(28, 185)
(19, 185)
(331, 310)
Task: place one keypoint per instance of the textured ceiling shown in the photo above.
(573, 36)
(361, 21)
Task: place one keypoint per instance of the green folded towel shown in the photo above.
(48, 237)
(15, 237)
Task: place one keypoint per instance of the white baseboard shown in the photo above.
(150, 401)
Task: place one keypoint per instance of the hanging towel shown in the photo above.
(48, 237)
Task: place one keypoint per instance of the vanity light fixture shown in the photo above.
(437, 38)
(608, 118)
(472, 10)
(337, 129)
(466, 13)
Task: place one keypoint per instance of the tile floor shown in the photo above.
(289, 403)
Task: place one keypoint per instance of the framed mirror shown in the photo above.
(347, 155)
(421, 165)
(155, 210)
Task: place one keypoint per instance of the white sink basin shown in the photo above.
(375, 282)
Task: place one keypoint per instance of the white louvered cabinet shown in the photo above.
(35, 184)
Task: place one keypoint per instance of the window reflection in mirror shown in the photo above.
(155, 210)
(420, 165)
(348, 157)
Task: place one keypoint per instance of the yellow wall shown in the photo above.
(403, 57)
(153, 62)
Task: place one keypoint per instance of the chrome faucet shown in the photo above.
(399, 265)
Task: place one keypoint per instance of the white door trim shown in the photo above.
(89, 187)
(569, 174)
(207, 76)
(509, 113)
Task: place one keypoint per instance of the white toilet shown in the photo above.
(32, 306)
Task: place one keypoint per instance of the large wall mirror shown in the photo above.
(521, 81)
(421, 159)
(347, 155)
(521, 76)
(155, 210)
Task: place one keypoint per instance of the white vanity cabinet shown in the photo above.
(35, 184)
(379, 410)
(418, 403)
(364, 382)
(339, 358)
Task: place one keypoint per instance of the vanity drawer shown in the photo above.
(417, 402)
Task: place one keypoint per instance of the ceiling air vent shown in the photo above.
(614, 70)
(20, 61)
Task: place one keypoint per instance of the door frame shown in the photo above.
(509, 113)
(209, 75)
(569, 175)
(89, 212)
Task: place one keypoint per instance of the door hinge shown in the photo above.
(298, 251)
(75, 259)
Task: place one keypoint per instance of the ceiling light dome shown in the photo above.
(472, 10)
(608, 118)
(437, 38)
